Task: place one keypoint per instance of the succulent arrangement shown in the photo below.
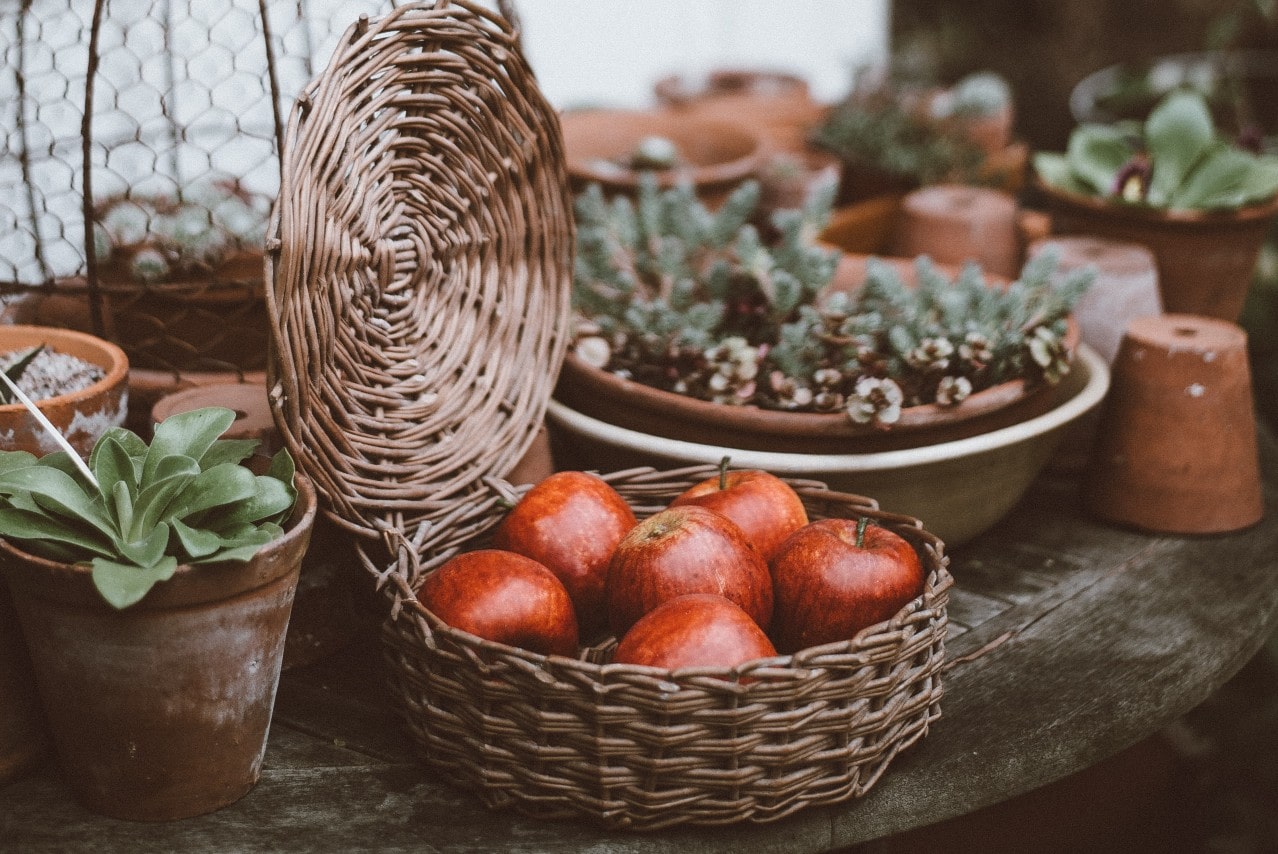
(880, 127)
(158, 238)
(686, 300)
(1175, 160)
(137, 511)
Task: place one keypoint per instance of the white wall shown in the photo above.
(609, 52)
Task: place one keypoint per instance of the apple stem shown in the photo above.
(723, 472)
(861, 525)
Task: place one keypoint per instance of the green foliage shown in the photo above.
(186, 498)
(1176, 160)
(883, 130)
(686, 300)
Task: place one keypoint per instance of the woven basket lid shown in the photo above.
(419, 265)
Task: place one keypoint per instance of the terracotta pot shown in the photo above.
(1205, 259)
(323, 619)
(81, 416)
(24, 741)
(955, 224)
(148, 387)
(1176, 448)
(777, 103)
(600, 394)
(161, 710)
(718, 154)
(865, 227)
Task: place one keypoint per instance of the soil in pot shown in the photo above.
(79, 382)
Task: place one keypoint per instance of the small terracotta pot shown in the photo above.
(149, 387)
(24, 741)
(161, 710)
(954, 224)
(777, 103)
(1176, 446)
(718, 154)
(1205, 258)
(1125, 288)
(253, 417)
(81, 416)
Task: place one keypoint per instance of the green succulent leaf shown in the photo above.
(1096, 153)
(228, 451)
(1179, 131)
(10, 460)
(122, 584)
(149, 550)
(1220, 181)
(188, 434)
(240, 547)
(216, 487)
(1053, 169)
(196, 542)
(33, 527)
(272, 499)
(113, 467)
(59, 493)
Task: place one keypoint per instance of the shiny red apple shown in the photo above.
(503, 597)
(570, 523)
(685, 550)
(834, 577)
(764, 506)
(695, 630)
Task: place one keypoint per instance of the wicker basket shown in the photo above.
(420, 256)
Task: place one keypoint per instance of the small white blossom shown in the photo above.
(875, 401)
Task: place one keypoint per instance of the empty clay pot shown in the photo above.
(954, 224)
(1125, 288)
(253, 418)
(1176, 445)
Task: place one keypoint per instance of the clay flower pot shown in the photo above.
(1176, 446)
(160, 711)
(80, 416)
(955, 223)
(717, 154)
(24, 741)
(776, 102)
(1205, 258)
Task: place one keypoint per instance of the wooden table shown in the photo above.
(1070, 640)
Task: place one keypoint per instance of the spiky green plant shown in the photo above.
(138, 510)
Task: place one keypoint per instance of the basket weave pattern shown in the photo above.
(419, 264)
(420, 259)
(632, 747)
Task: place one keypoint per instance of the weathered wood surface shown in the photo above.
(1070, 640)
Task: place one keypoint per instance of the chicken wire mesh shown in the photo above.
(141, 157)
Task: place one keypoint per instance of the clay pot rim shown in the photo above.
(169, 594)
(1094, 384)
(1157, 216)
(680, 89)
(581, 169)
(114, 362)
(836, 425)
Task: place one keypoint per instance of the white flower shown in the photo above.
(875, 401)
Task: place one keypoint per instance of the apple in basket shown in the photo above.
(834, 577)
(503, 597)
(762, 504)
(695, 630)
(570, 522)
(685, 550)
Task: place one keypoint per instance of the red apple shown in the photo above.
(503, 597)
(764, 506)
(696, 630)
(834, 577)
(685, 550)
(570, 523)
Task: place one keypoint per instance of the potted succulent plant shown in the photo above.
(153, 585)
(1202, 204)
(893, 139)
(689, 326)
